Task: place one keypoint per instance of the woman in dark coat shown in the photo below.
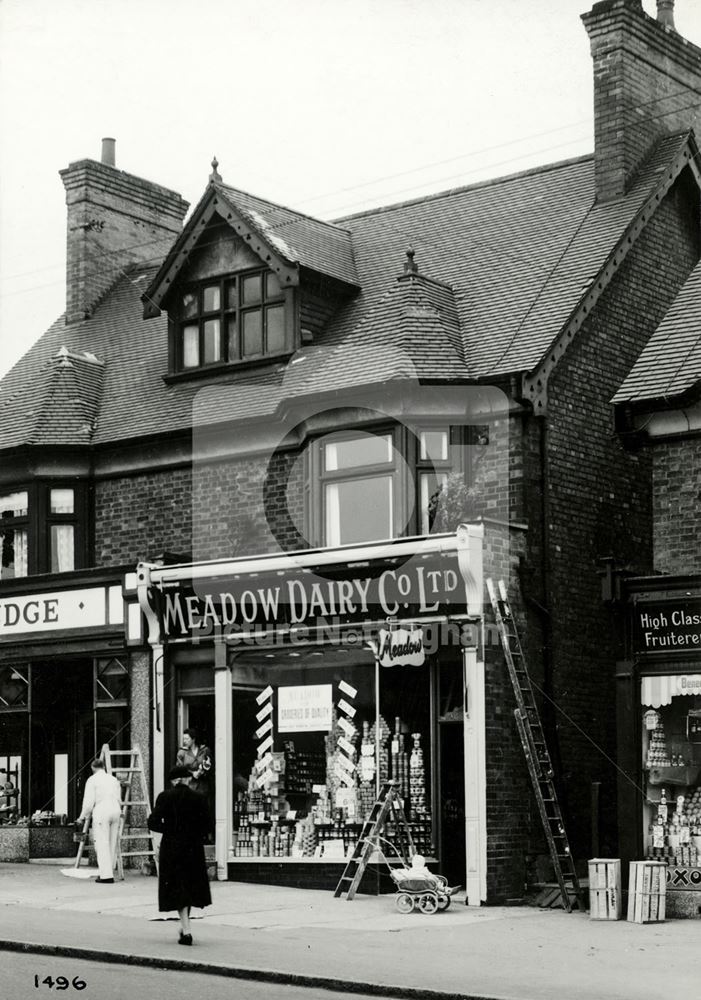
(181, 816)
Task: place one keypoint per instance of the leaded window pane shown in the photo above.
(62, 501)
(275, 323)
(191, 346)
(62, 548)
(252, 289)
(252, 333)
(212, 341)
(13, 554)
(211, 298)
(14, 504)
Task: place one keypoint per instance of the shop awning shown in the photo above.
(658, 691)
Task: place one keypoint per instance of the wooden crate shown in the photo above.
(647, 891)
(605, 889)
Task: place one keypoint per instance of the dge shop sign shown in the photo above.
(329, 597)
(667, 626)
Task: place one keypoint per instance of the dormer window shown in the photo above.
(232, 319)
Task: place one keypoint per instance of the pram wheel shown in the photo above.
(404, 902)
(443, 902)
(428, 903)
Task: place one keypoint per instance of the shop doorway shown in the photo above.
(196, 711)
(451, 755)
(61, 748)
(452, 785)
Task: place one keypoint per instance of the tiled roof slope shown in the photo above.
(72, 400)
(670, 364)
(320, 246)
(502, 266)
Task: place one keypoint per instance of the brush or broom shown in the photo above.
(76, 871)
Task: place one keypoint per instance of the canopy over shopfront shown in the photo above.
(306, 642)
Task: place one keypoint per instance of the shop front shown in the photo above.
(315, 677)
(660, 705)
(64, 692)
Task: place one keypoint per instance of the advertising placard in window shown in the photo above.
(304, 709)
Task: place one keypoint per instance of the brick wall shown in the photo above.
(599, 504)
(646, 85)
(677, 505)
(114, 220)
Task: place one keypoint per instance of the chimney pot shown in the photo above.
(665, 12)
(108, 152)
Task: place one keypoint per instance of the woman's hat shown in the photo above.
(179, 771)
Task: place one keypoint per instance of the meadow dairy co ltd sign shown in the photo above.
(336, 596)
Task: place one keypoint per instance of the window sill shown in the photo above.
(215, 371)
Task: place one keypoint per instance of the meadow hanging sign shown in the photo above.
(401, 647)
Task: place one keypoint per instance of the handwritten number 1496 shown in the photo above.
(60, 982)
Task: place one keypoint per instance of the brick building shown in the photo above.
(258, 383)
(659, 678)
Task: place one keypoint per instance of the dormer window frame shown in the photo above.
(221, 319)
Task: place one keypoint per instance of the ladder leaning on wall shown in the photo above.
(134, 797)
(540, 767)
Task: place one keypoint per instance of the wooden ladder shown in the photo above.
(133, 781)
(388, 807)
(538, 758)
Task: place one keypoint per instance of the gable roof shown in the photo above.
(670, 364)
(504, 266)
(284, 240)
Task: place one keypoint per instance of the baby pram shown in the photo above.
(416, 892)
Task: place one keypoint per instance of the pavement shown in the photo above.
(309, 938)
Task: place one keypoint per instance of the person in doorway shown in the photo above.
(102, 800)
(181, 815)
(197, 758)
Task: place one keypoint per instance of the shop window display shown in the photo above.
(311, 760)
(671, 726)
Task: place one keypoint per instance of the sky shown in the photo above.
(329, 106)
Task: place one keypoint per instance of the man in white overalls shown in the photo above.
(102, 800)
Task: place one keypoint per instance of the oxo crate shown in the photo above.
(605, 889)
(647, 891)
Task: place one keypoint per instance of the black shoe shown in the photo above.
(105, 881)
(185, 938)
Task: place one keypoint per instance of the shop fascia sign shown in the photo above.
(241, 605)
(61, 610)
(667, 626)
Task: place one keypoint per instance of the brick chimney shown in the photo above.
(647, 84)
(114, 219)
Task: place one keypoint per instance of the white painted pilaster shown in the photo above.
(223, 761)
(475, 780)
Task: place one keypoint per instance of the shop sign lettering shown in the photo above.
(667, 626)
(51, 612)
(401, 647)
(419, 588)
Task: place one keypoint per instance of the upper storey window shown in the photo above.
(232, 319)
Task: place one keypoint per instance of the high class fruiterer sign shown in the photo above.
(419, 587)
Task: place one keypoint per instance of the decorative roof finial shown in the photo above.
(62, 357)
(410, 267)
(215, 176)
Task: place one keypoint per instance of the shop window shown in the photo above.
(111, 682)
(14, 688)
(312, 747)
(231, 320)
(42, 530)
(671, 758)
